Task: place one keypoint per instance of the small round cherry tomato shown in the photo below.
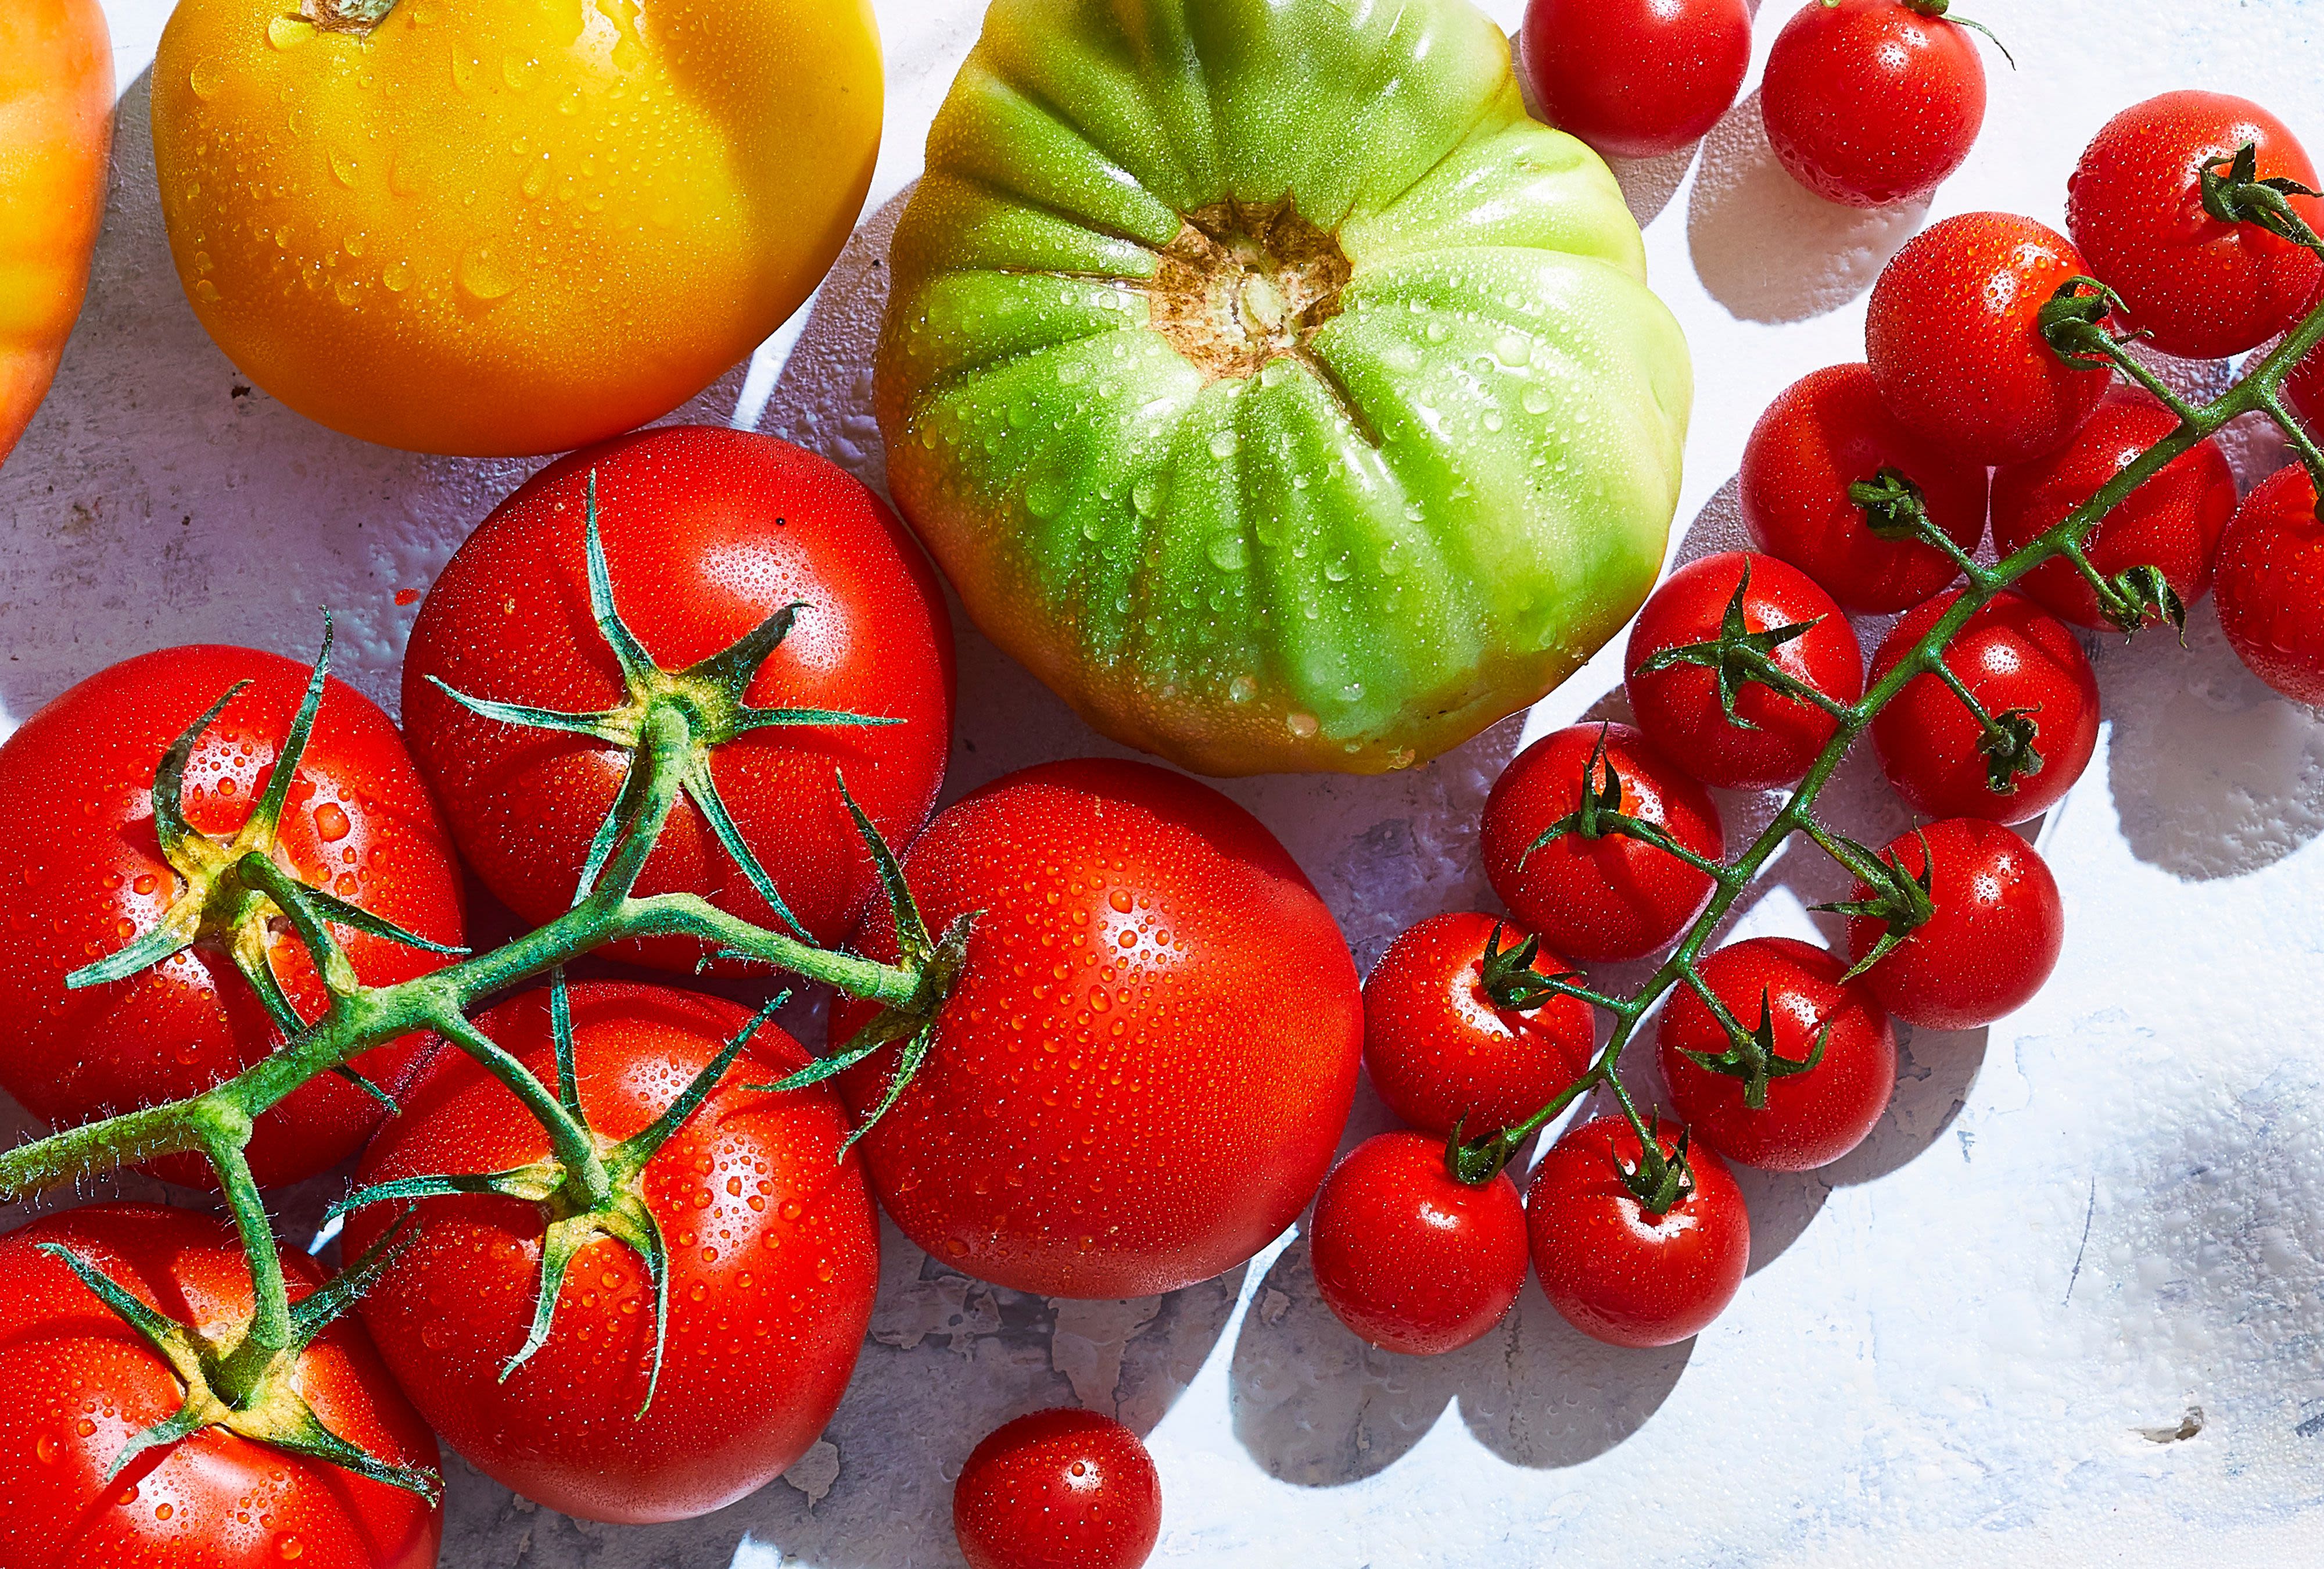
(2025, 666)
(1059, 1490)
(1870, 102)
(1617, 1271)
(1613, 896)
(2271, 585)
(1636, 79)
(1801, 996)
(1993, 940)
(1410, 1257)
(1955, 345)
(1826, 433)
(2199, 286)
(1773, 737)
(1442, 1048)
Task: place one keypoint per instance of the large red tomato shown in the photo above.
(79, 1383)
(707, 533)
(773, 1259)
(82, 874)
(2271, 585)
(1142, 1074)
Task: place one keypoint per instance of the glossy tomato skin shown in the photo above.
(1826, 432)
(773, 1259)
(2199, 287)
(1059, 1490)
(1636, 79)
(1440, 1050)
(78, 1384)
(1679, 708)
(1410, 1259)
(1613, 897)
(2271, 585)
(1996, 936)
(1616, 1271)
(1954, 346)
(1871, 102)
(2173, 521)
(83, 872)
(706, 533)
(1144, 1071)
(1810, 1119)
(2010, 655)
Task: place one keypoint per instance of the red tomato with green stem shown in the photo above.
(1872, 102)
(1146, 1064)
(2025, 669)
(2271, 585)
(708, 535)
(773, 1259)
(1593, 892)
(1699, 656)
(1636, 79)
(1818, 1056)
(85, 874)
(1458, 1027)
(1059, 1490)
(1987, 941)
(79, 1384)
(1408, 1257)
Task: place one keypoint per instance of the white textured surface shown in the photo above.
(1960, 1346)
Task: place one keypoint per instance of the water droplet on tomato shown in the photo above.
(331, 822)
(288, 33)
(484, 277)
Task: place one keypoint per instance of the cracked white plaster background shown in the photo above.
(1982, 1339)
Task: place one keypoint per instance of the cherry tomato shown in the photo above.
(2271, 585)
(706, 534)
(1409, 1258)
(1636, 79)
(1955, 347)
(1830, 432)
(78, 1384)
(82, 874)
(1800, 995)
(1995, 936)
(1613, 897)
(1870, 102)
(2199, 286)
(1059, 1490)
(774, 1255)
(1146, 1066)
(2015, 660)
(1441, 1049)
(1774, 737)
(1615, 1269)
(2173, 521)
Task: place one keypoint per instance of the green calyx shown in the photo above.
(1738, 656)
(2072, 321)
(1597, 814)
(1750, 1054)
(1894, 505)
(1901, 901)
(1660, 1182)
(1510, 981)
(2232, 191)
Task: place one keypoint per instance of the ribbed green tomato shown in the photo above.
(1269, 383)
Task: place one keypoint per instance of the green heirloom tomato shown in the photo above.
(1269, 383)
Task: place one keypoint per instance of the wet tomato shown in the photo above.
(2271, 585)
(1059, 1490)
(1996, 934)
(1870, 102)
(1636, 79)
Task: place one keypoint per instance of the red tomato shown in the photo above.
(1617, 1271)
(1409, 1258)
(1995, 936)
(2304, 388)
(1613, 897)
(1636, 79)
(2271, 585)
(1955, 347)
(1800, 995)
(78, 1384)
(2173, 521)
(2014, 660)
(1146, 1066)
(706, 534)
(1680, 707)
(774, 1255)
(1442, 1050)
(81, 872)
(1870, 102)
(1059, 1490)
(2199, 286)
(1827, 432)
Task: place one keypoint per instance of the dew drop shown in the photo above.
(1536, 401)
(395, 277)
(1243, 690)
(288, 33)
(206, 79)
(1225, 444)
(1229, 552)
(1303, 726)
(483, 276)
(331, 822)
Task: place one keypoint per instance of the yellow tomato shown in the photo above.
(497, 227)
(56, 127)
